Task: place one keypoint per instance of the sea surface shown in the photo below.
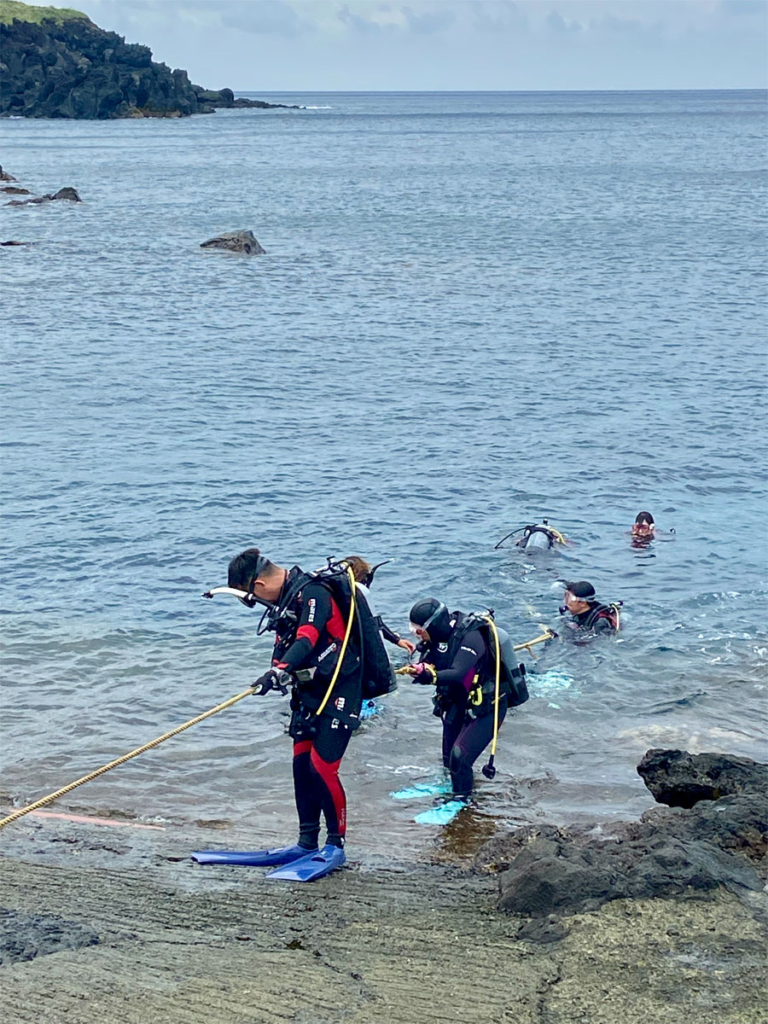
(474, 311)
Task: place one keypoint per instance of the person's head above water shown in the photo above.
(643, 525)
(578, 596)
(254, 573)
(431, 620)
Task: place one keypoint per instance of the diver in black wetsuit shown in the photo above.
(310, 629)
(586, 612)
(364, 573)
(457, 661)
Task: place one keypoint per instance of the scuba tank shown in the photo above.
(536, 537)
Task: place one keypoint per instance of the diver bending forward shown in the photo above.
(310, 628)
(456, 659)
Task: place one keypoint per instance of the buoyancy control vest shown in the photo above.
(365, 644)
(603, 611)
(512, 684)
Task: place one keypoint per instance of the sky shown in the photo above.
(361, 45)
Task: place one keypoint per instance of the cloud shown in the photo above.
(266, 18)
(429, 21)
(557, 23)
(497, 16)
(744, 7)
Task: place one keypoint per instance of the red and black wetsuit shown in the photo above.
(460, 663)
(319, 741)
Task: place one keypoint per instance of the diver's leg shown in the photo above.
(468, 746)
(328, 746)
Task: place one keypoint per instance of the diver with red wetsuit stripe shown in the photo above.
(310, 628)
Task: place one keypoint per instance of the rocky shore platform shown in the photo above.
(107, 924)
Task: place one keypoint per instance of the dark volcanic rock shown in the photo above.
(680, 779)
(25, 936)
(225, 98)
(63, 193)
(75, 69)
(13, 191)
(671, 851)
(4, 176)
(12, 242)
(236, 241)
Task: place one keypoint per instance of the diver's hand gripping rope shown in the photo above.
(548, 634)
(126, 757)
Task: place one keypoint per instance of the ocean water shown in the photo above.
(475, 310)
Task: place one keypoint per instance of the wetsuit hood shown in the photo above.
(433, 616)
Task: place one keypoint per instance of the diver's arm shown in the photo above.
(603, 625)
(317, 609)
(388, 634)
(457, 680)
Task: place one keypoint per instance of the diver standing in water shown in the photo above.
(458, 661)
(586, 612)
(307, 614)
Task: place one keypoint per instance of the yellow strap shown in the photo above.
(337, 670)
(492, 624)
(126, 757)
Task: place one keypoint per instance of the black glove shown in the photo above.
(274, 679)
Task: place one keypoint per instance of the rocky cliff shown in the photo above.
(65, 66)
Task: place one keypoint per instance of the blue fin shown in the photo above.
(252, 858)
(422, 789)
(442, 814)
(314, 865)
(369, 709)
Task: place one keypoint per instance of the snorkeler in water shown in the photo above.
(644, 530)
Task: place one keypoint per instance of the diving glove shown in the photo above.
(424, 673)
(274, 679)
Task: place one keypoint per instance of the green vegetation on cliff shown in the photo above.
(11, 10)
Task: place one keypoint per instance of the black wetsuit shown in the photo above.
(599, 618)
(460, 665)
(319, 741)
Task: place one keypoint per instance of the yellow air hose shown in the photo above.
(126, 757)
(489, 767)
(337, 670)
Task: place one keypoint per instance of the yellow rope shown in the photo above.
(121, 760)
(337, 670)
(546, 635)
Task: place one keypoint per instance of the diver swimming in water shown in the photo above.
(536, 537)
(644, 530)
(586, 612)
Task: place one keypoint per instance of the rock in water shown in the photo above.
(13, 191)
(680, 779)
(4, 176)
(63, 193)
(236, 241)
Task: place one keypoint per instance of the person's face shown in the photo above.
(421, 633)
(642, 529)
(575, 605)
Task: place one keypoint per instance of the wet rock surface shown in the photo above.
(5, 176)
(680, 779)
(26, 936)
(236, 241)
(13, 191)
(714, 844)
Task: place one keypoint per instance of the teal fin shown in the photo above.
(422, 789)
(442, 814)
(314, 865)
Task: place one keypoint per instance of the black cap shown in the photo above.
(583, 590)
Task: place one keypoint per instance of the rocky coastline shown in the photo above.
(70, 68)
(140, 933)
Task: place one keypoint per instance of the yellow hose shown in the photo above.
(126, 757)
(347, 634)
(492, 624)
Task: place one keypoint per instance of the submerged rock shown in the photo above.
(12, 242)
(13, 191)
(236, 241)
(681, 850)
(63, 193)
(4, 176)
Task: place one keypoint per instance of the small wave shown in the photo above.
(308, 107)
